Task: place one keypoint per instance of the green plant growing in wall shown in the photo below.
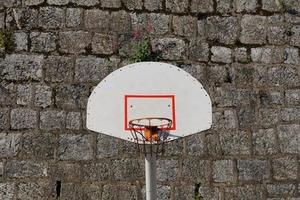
(6, 40)
(142, 49)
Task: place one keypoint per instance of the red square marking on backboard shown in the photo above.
(172, 97)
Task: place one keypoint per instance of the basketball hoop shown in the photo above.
(150, 131)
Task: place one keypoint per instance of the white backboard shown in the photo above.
(149, 89)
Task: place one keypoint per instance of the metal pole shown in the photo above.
(150, 170)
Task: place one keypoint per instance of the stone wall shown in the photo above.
(245, 52)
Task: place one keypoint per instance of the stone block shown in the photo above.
(4, 118)
(200, 6)
(277, 35)
(2, 19)
(32, 2)
(196, 70)
(126, 148)
(223, 171)
(52, 119)
(245, 5)
(73, 121)
(26, 169)
(111, 3)
(163, 192)
(85, 2)
(289, 138)
(177, 6)
(23, 118)
(101, 171)
(10, 3)
(72, 191)
(159, 23)
(153, 5)
(213, 144)
(1, 169)
(246, 116)
(24, 94)
(249, 192)
(111, 192)
(75, 147)
(281, 189)
(7, 191)
(43, 96)
(224, 6)
(221, 54)
(74, 17)
(38, 145)
(227, 96)
(51, 17)
(104, 43)
(90, 69)
(269, 117)
(267, 55)
(184, 193)
(264, 142)
(121, 22)
(235, 143)
(226, 119)
(127, 169)
(7, 92)
(196, 170)
(133, 4)
(201, 30)
(241, 55)
(254, 29)
(72, 96)
(185, 26)
(269, 98)
(292, 56)
(271, 5)
(74, 41)
(67, 171)
(9, 144)
(20, 41)
(260, 75)
(283, 75)
(174, 148)
(106, 146)
(22, 67)
(32, 190)
(167, 170)
(244, 75)
(252, 170)
(196, 145)
(58, 69)
(170, 48)
(209, 193)
(292, 97)
(290, 114)
(58, 2)
(222, 29)
(295, 36)
(198, 50)
(29, 18)
(91, 191)
(285, 168)
(97, 19)
(219, 74)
